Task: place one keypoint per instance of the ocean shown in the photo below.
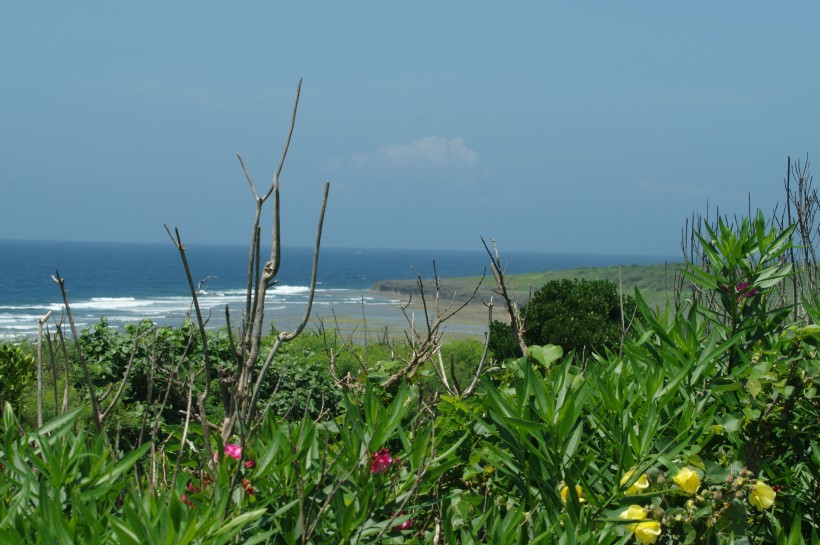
(126, 282)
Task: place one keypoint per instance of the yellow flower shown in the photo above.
(635, 512)
(688, 480)
(638, 486)
(648, 531)
(762, 496)
(578, 491)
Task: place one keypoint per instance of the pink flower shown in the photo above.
(250, 464)
(745, 289)
(406, 525)
(381, 461)
(234, 451)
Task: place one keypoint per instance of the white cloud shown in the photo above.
(426, 151)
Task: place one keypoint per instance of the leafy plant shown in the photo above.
(581, 315)
(16, 371)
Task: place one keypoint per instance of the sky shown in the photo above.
(552, 127)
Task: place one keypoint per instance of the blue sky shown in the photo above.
(572, 127)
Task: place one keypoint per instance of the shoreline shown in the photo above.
(358, 313)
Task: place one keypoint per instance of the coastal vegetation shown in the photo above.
(699, 425)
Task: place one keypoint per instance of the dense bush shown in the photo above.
(16, 372)
(580, 315)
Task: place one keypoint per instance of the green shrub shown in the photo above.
(299, 381)
(503, 344)
(579, 315)
(16, 371)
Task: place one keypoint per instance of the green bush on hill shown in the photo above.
(579, 315)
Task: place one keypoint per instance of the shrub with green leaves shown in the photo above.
(16, 372)
(580, 315)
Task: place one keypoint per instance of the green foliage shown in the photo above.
(502, 342)
(58, 486)
(701, 428)
(580, 315)
(300, 384)
(16, 371)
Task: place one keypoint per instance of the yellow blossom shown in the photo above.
(635, 512)
(688, 480)
(648, 531)
(578, 491)
(762, 496)
(638, 486)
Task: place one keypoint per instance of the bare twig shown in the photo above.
(425, 346)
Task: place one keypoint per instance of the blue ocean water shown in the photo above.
(126, 281)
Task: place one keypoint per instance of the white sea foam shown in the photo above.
(290, 290)
(106, 303)
(285, 304)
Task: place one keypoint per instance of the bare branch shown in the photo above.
(95, 405)
(469, 390)
(516, 321)
(137, 336)
(285, 337)
(290, 135)
(177, 241)
(248, 176)
(40, 323)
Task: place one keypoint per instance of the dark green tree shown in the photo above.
(580, 315)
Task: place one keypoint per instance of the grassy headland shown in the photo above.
(655, 282)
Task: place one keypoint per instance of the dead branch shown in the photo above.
(95, 405)
(517, 325)
(53, 360)
(283, 337)
(425, 346)
(206, 391)
(40, 323)
(137, 336)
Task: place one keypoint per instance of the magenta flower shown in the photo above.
(234, 451)
(250, 464)
(381, 461)
(406, 525)
(745, 289)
